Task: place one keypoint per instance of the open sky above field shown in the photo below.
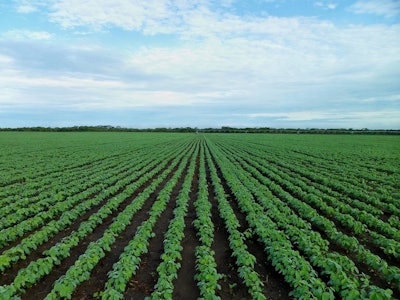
(173, 63)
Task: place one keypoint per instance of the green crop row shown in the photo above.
(129, 260)
(80, 271)
(167, 270)
(344, 277)
(109, 189)
(71, 184)
(53, 256)
(244, 260)
(296, 269)
(323, 210)
(355, 219)
(207, 276)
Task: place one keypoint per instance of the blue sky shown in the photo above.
(200, 63)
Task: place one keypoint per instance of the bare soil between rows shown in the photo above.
(142, 283)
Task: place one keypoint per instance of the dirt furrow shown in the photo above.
(231, 284)
(186, 287)
(99, 275)
(9, 275)
(364, 240)
(275, 286)
(58, 215)
(142, 284)
(46, 284)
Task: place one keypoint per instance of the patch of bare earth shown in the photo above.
(46, 284)
(275, 287)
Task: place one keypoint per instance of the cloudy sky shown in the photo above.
(200, 63)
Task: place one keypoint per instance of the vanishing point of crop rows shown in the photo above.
(122, 215)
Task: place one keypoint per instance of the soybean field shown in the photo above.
(125, 215)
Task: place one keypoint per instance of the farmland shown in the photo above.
(216, 216)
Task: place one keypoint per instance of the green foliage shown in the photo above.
(301, 195)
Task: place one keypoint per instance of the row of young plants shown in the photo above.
(343, 275)
(364, 169)
(129, 260)
(363, 255)
(244, 259)
(352, 188)
(367, 211)
(134, 176)
(47, 161)
(207, 276)
(37, 162)
(289, 159)
(286, 164)
(80, 271)
(32, 189)
(69, 181)
(366, 152)
(361, 222)
(359, 171)
(55, 189)
(321, 183)
(171, 257)
(13, 167)
(13, 233)
(50, 207)
(351, 244)
(339, 183)
(28, 276)
(296, 270)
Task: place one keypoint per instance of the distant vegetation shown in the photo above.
(223, 129)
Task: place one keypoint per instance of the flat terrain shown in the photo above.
(183, 216)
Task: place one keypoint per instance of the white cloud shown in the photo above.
(5, 60)
(26, 8)
(326, 115)
(282, 51)
(377, 119)
(388, 98)
(234, 62)
(129, 15)
(29, 6)
(22, 34)
(386, 8)
(296, 62)
(332, 5)
(326, 5)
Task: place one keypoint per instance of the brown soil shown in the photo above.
(275, 286)
(99, 274)
(46, 284)
(72, 227)
(142, 283)
(366, 241)
(187, 285)
(8, 276)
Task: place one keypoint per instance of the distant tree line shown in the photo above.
(100, 128)
(223, 129)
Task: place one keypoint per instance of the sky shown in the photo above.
(200, 63)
